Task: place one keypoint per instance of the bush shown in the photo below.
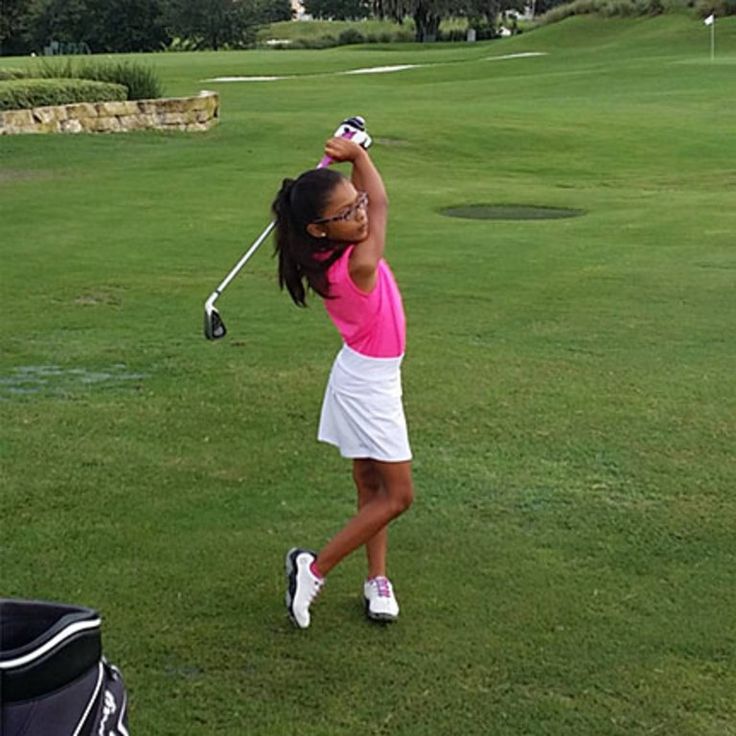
(21, 94)
(404, 35)
(140, 81)
(321, 42)
(485, 32)
(720, 7)
(453, 34)
(14, 74)
(347, 36)
(605, 8)
(350, 36)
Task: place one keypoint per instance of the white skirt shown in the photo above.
(362, 413)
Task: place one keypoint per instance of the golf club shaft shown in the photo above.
(246, 257)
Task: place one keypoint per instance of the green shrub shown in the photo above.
(181, 44)
(350, 36)
(605, 8)
(324, 42)
(347, 36)
(321, 42)
(404, 35)
(323, 34)
(14, 74)
(485, 32)
(721, 8)
(21, 94)
(452, 34)
(140, 81)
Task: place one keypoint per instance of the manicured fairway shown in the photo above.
(568, 567)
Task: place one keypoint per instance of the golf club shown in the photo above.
(214, 328)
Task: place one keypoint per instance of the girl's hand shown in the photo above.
(342, 149)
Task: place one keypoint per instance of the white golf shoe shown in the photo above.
(380, 601)
(302, 585)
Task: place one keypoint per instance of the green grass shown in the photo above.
(568, 567)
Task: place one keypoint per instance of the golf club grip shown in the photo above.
(326, 160)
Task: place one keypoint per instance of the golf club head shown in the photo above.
(214, 327)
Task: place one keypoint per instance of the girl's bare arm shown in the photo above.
(365, 177)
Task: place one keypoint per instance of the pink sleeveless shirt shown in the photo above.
(372, 324)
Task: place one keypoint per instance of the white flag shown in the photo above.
(710, 20)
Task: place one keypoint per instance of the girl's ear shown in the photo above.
(316, 231)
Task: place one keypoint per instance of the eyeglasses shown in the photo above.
(348, 213)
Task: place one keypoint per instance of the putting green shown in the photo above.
(509, 212)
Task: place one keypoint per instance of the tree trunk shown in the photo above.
(427, 24)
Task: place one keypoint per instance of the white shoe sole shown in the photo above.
(291, 583)
(291, 572)
(385, 618)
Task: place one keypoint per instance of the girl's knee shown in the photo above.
(399, 487)
(401, 498)
(408, 497)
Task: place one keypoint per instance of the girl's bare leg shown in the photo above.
(369, 485)
(395, 497)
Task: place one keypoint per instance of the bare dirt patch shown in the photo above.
(9, 176)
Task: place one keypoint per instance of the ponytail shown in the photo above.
(303, 260)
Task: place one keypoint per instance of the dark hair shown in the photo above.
(304, 259)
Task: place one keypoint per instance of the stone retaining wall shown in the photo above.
(175, 113)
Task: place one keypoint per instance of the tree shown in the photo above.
(134, 25)
(213, 24)
(127, 25)
(428, 14)
(67, 21)
(338, 9)
(272, 11)
(206, 23)
(13, 27)
(542, 6)
(104, 25)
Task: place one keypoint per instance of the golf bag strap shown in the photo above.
(87, 724)
(106, 709)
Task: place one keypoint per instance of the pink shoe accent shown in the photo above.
(383, 586)
(315, 571)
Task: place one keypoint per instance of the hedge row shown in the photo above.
(14, 74)
(64, 81)
(720, 7)
(346, 37)
(635, 8)
(22, 94)
(605, 8)
(141, 81)
(351, 36)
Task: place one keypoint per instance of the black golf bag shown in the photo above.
(53, 678)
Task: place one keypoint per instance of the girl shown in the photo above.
(330, 236)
